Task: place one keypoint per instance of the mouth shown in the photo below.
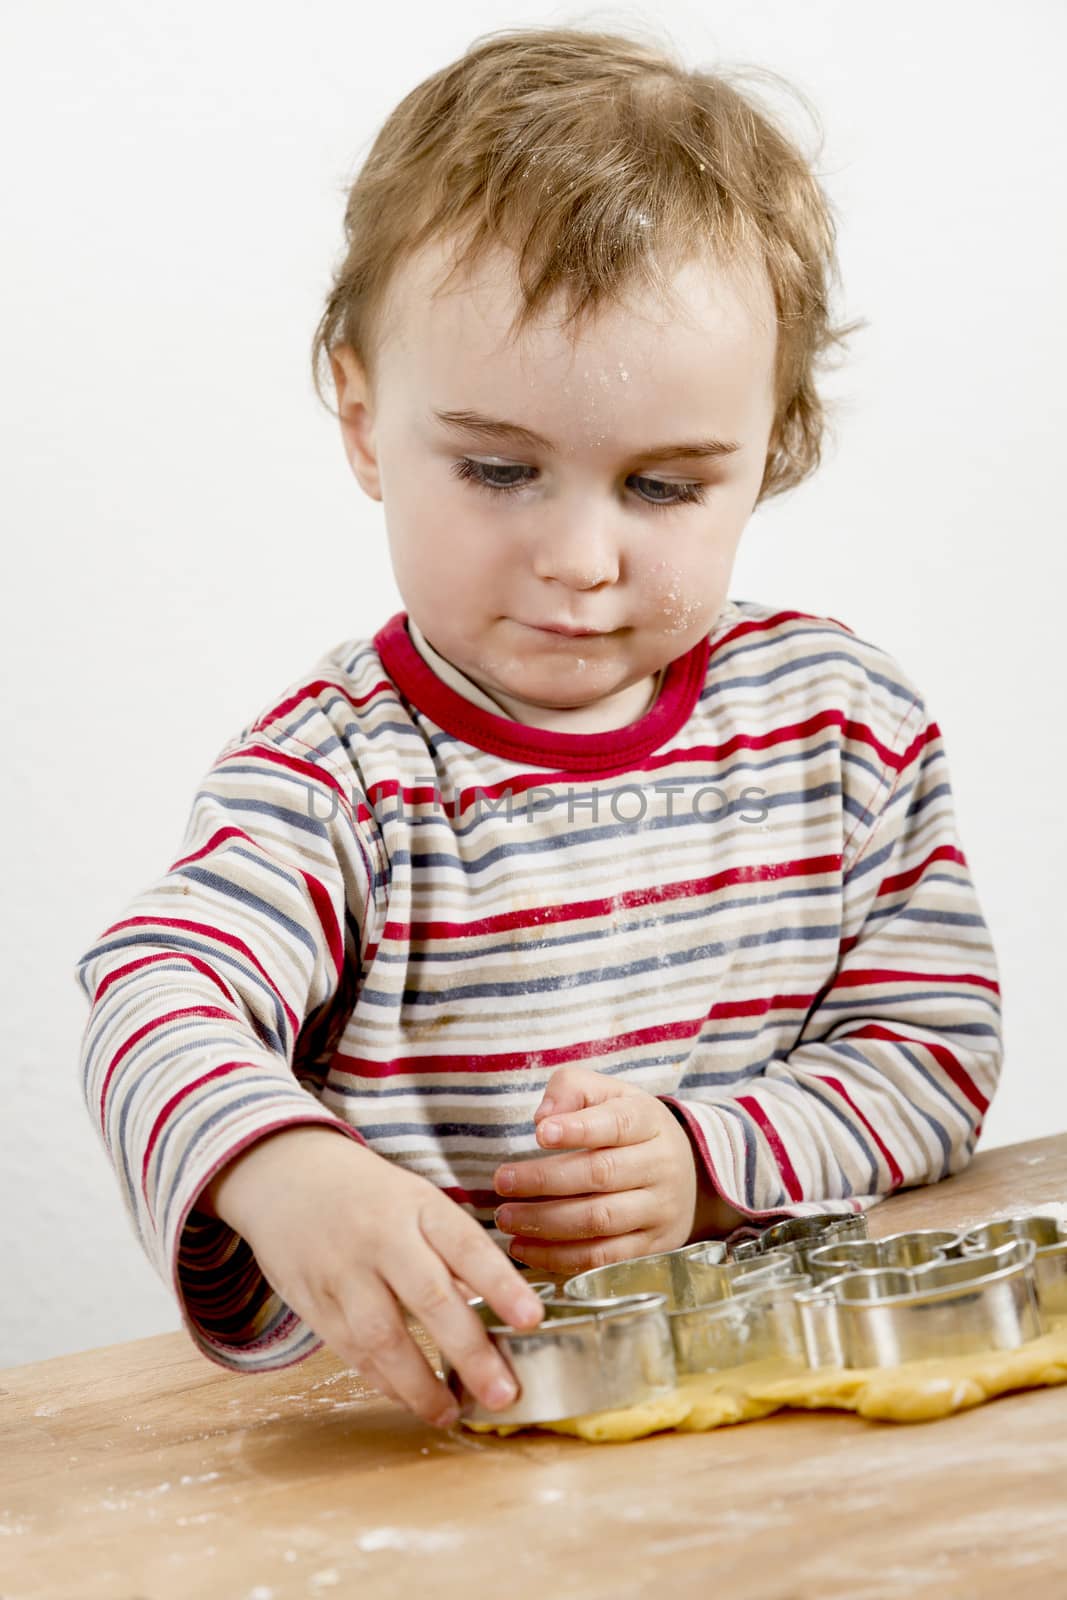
(570, 633)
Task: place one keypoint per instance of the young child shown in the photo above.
(599, 912)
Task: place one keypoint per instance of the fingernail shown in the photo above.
(502, 1217)
(505, 1180)
(500, 1393)
(447, 1417)
(550, 1132)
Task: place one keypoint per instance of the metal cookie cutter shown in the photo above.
(756, 1319)
(720, 1313)
(915, 1249)
(1050, 1262)
(595, 1355)
(799, 1235)
(688, 1276)
(886, 1316)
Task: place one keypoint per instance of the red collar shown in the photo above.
(615, 750)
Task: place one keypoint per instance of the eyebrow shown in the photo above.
(491, 431)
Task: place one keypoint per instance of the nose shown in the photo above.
(579, 552)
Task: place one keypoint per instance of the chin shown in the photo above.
(543, 696)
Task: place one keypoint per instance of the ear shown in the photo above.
(356, 417)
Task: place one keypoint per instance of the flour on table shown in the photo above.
(422, 1539)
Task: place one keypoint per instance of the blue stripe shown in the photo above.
(675, 958)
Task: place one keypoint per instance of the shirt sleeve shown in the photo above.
(900, 1052)
(215, 1001)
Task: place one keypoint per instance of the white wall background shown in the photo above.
(172, 190)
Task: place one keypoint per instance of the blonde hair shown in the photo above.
(598, 159)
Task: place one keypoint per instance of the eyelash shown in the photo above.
(465, 468)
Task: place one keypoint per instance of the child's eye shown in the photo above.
(684, 493)
(475, 473)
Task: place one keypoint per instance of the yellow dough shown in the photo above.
(918, 1391)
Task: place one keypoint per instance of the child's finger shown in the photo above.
(585, 1216)
(570, 1088)
(420, 1280)
(579, 1256)
(620, 1120)
(370, 1375)
(474, 1261)
(376, 1341)
(578, 1172)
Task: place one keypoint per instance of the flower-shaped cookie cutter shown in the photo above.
(1049, 1235)
(593, 1355)
(720, 1312)
(918, 1248)
(799, 1235)
(947, 1306)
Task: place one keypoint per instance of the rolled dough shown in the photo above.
(918, 1391)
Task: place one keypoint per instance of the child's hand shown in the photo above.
(630, 1176)
(344, 1235)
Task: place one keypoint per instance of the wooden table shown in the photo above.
(143, 1472)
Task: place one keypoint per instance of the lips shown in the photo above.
(569, 633)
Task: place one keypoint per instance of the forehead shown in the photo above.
(714, 340)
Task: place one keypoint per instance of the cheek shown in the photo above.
(437, 548)
(681, 607)
(678, 595)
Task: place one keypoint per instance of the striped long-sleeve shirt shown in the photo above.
(396, 911)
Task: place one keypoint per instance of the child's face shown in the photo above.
(581, 541)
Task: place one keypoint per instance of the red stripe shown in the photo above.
(941, 1054)
(165, 955)
(762, 625)
(219, 837)
(320, 899)
(319, 895)
(778, 1150)
(140, 1033)
(310, 769)
(210, 932)
(221, 834)
(658, 894)
(877, 975)
(759, 1007)
(176, 1099)
(894, 1171)
(514, 1060)
(315, 687)
(274, 756)
(905, 880)
(929, 735)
